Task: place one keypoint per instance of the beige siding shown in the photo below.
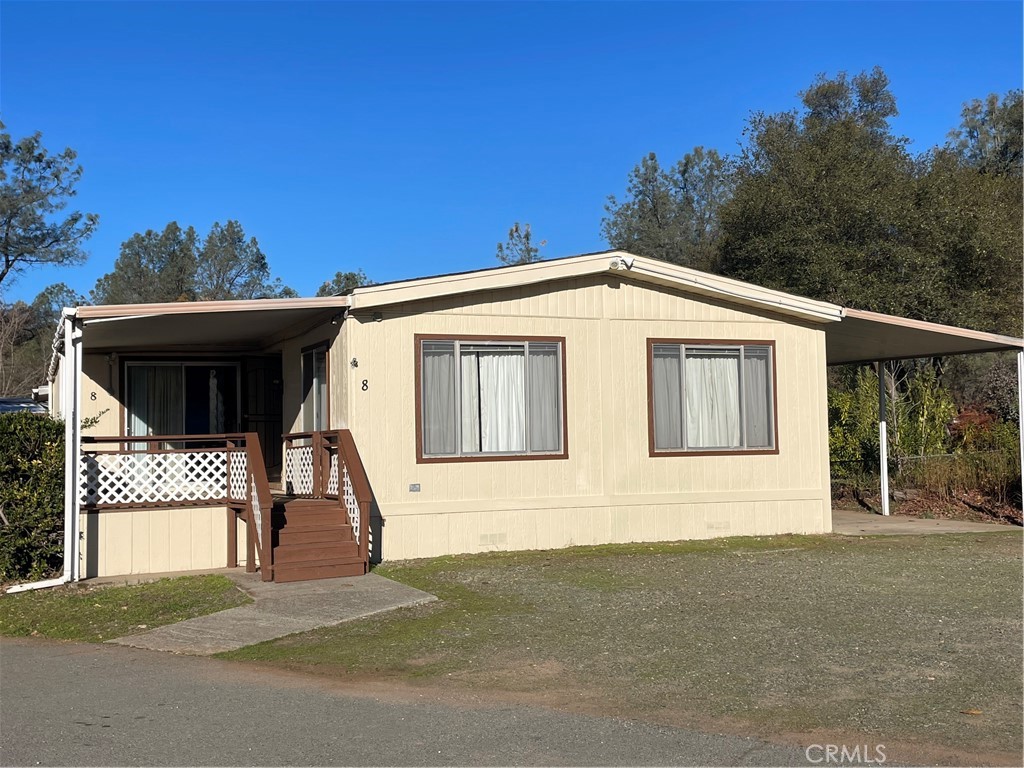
(609, 488)
(122, 542)
(100, 387)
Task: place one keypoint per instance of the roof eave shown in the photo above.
(616, 263)
(204, 307)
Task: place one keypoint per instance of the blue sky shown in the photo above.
(406, 138)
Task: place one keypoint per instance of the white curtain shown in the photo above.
(502, 400)
(470, 403)
(438, 399)
(668, 420)
(712, 398)
(545, 425)
(156, 402)
(757, 397)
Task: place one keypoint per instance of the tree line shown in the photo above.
(824, 200)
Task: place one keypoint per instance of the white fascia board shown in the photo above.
(119, 311)
(615, 263)
(734, 291)
(478, 281)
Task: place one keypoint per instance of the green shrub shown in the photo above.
(853, 427)
(31, 496)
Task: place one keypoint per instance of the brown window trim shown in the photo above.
(652, 452)
(418, 340)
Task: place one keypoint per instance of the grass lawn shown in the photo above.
(94, 614)
(899, 640)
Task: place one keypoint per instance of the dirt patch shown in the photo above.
(970, 506)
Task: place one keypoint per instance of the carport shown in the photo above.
(874, 338)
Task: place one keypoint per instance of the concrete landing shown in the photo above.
(278, 610)
(852, 522)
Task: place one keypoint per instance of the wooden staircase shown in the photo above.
(312, 539)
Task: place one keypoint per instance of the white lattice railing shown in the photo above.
(332, 475)
(141, 476)
(298, 468)
(238, 466)
(149, 478)
(351, 504)
(257, 512)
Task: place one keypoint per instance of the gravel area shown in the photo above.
(910, 641)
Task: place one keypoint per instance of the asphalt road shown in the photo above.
(78, 704)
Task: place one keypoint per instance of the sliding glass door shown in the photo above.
(186, 398)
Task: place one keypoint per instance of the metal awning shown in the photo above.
(195, 326)
(871, 337)
(867, 337)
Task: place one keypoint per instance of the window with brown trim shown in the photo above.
(490, 398)
(711, 397)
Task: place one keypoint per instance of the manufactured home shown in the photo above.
(593, 399)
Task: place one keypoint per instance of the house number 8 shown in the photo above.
(365, 385)
(92, 395)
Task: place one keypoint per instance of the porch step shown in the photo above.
(314, 551)
(308, 512)
(292, 520)
(301, 503)
(313, 534)
(313, 540)
(329, 568)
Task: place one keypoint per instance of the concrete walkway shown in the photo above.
(856, 522)
(278, 610)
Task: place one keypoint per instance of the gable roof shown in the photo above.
(860, 337)
(618, 263)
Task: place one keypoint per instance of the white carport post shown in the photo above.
(883, 439)
(70, 390)
(72, 386)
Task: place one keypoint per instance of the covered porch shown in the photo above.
(155, 502)
(199, 436)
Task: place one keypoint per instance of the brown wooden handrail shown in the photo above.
(360, 488)
(256, 480)
(297, 435)
(341, 441)
(162, 438)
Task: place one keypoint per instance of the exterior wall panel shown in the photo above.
(609, 489)
(125, 542)
(100, 389)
